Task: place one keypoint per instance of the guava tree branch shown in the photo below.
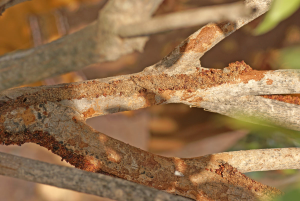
(114, 188)
(276, 110)
(100, 42)
(79, 180)
(231, 91)
(262, 159)
(89, 150)
(54, 117)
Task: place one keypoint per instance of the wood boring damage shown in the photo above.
(54, 116)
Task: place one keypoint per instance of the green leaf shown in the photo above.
(263, 129)
(290, 57)
(292, 195)
(290, 171)
(280, 10)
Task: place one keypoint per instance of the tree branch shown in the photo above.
(106, 186)
(92, 151)
(100, 42)
(73, 52)
(54, 117)
(258, 109)
(79, 180)
(216, 90)
(61, 56)
(185, 57)
(184, 19)
(261, 159)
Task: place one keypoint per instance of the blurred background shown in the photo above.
(169, 130)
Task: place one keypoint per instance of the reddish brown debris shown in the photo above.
(28, 117)
(149, 97)
(233, 176)
(44, 139)
(151, 170)
(269, 82)
(207, 37)
(89, 113)
(291, 98)
(147, 86)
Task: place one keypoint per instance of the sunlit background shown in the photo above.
(169, 130)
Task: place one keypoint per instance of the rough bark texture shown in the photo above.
(101, 185)
(262, 159)
(216, 90)
(81, 181)
(202, 178)
(54, 117)
(258, 110)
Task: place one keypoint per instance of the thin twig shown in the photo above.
(185, 19)
(261, 159)
(258, 109)
(79, 180)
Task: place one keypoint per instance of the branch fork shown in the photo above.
(54, 116)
